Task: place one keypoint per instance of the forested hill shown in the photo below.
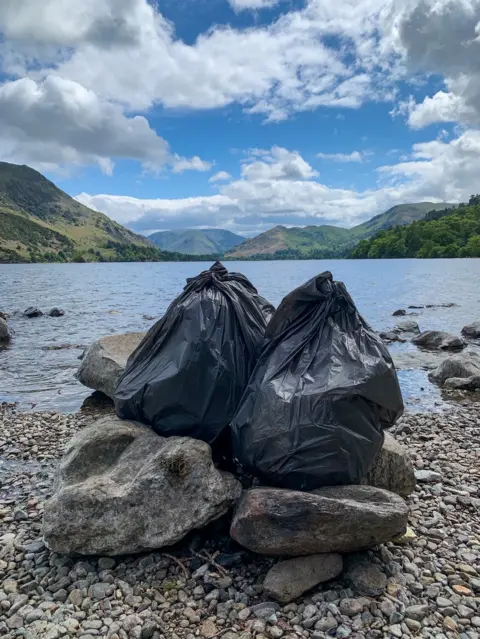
(448, 233)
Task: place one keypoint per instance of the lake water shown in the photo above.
(100, 299)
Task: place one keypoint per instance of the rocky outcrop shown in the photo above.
(462, 366)
(399, 313)
(391, 336)
(105, 361)
(121, 488)
(392, 469)
(5, 334)
(407, 326)
(329, 520)
(57, 312)
(468, 384)
(289, 579)
(4, 316)
(439, 340)
(472, 331)
(32, 311)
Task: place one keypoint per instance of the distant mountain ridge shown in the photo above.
(197, 241)
(41, 223)
(326, 240)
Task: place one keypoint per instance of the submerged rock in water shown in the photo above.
(57, 312)
(289, 579)
(5, 334)
(337, 519)
(105, 361)
(32, 311)
(439, 340)
(472, 331)
(392, 469)
(391, 336)
(399, 313)
(121, 489)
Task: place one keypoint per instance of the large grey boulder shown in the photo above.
(120, 488)
(472, 331)
(462, 366)
(392, 469)
(289, 579)
(5, 334)
(105, 361)
(439, 340)
(407, 326)
(464, 383)
(337, 519)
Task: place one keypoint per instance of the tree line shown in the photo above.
(448, 233)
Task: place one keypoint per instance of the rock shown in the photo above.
(32, 311)
(105, 361)
(392, 469)
(4, 316)
(412, 360)
(427, 476)
(335, 519)
(120, 489)
(408, 537)
(401, 311)
(350, 607)
(461, 366)
(439, 340)
(366, 578)
(5, 334)
(57, 312)
(472, 331)
(417, 612)
(407, 326)
(390, 336)
(468, 384)
(265, 610)
(289, 579)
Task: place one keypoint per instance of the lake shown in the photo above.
(100, 299)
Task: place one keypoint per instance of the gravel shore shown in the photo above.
(209, 587)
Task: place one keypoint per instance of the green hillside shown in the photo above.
(327, 241)
(196, 241)
(41, 223)
(448, 233)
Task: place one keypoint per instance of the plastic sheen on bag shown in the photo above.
(188, 374)
(321, 395)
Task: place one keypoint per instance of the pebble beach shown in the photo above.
(427, 586)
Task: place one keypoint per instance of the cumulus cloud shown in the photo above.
(242, 5)
(354, 156)
(442, 37)
(221, 176)
(277, 164)
(438, 171)
(180, 164)
(59, 121)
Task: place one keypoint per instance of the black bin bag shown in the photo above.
(188, 374)
(322, 393)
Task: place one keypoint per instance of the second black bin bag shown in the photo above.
(322, 393)
(189, 373)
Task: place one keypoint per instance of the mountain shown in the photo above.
(196, 242)
(328, 241)
(448, 233)
(41, 223)
(280, 240)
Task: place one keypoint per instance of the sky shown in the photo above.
(243, 114)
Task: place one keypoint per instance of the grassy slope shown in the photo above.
(330, 238)
(196, 241)
(37, 218)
